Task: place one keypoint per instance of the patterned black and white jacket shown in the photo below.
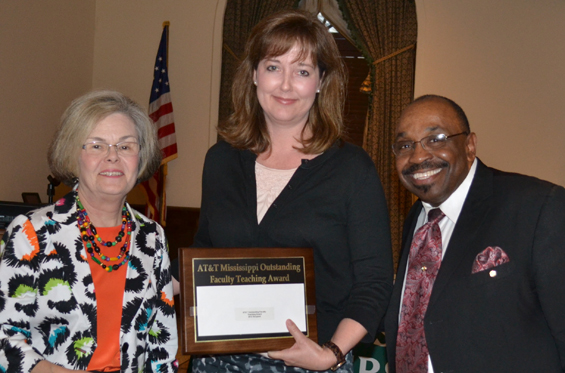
(47, 300)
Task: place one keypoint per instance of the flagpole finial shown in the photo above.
(166, 23)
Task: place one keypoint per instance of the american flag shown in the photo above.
(161, 112)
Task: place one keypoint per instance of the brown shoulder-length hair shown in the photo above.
(272, 37)
(80, 119)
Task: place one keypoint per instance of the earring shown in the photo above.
(318, 91)
(255, 82)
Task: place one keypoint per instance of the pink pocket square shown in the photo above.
(489, 258)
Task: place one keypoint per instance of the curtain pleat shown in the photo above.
(386, 31)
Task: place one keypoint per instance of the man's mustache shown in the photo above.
(426, 165)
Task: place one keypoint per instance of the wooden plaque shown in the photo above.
(236, 300)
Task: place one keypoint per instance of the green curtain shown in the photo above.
(386, 31)
(239, 18)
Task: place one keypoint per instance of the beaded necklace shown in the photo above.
(91, 237)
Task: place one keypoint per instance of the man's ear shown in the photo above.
(471, 147)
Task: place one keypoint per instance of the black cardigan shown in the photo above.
(333, 203)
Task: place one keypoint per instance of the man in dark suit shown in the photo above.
(497, 302)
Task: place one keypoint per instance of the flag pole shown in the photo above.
(167, 24)
(165, 167)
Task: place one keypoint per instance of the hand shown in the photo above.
(304, 353)
(46, 367)
(176, 286)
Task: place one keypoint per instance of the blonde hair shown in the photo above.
(272, 37)
(80, 119)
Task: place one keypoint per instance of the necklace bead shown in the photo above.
(90, 237)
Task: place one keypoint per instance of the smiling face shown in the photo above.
(434, 175)
(286, 88)
(110, 176)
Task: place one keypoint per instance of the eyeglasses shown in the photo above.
(101, 149)
(432, 142)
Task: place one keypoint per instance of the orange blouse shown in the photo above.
(109, 288)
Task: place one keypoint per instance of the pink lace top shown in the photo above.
(270, 183)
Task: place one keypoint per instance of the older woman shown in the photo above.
(85, 283)
(283, 177)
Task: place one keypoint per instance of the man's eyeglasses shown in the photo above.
(432, 142)
(101, 149)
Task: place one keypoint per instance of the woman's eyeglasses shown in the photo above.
(101, 149)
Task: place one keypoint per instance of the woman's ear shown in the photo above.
(320, 82)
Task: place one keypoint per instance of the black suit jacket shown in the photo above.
(515, 321)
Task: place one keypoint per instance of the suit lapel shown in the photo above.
(475, 209)
(407, 234)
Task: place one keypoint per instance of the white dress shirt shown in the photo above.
(451, 207)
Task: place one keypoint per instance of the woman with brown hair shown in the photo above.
(283, 177)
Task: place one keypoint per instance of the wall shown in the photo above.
(61, 49)
(45, 62)
(502, 61)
